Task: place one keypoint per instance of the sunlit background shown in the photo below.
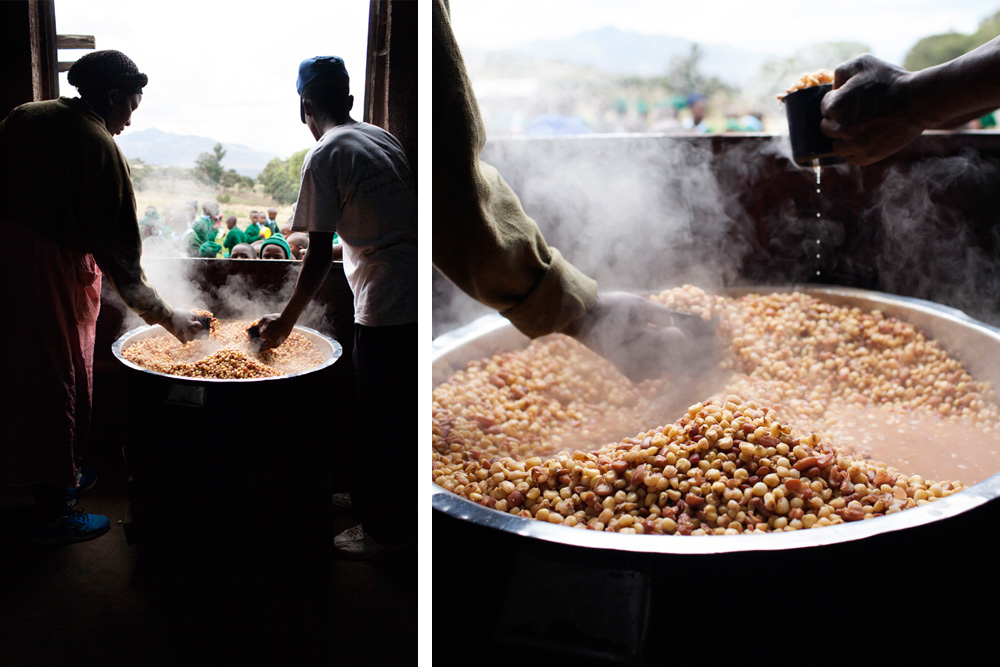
(579, 66)
(219, 119)
(223, 70)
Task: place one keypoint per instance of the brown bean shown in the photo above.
(807, 462)
(639, 474)
(851, 513)
(884, 478)
(796, 486)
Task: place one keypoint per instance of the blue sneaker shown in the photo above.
(75, 526)
(86, 481)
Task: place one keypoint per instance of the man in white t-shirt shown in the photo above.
(356, 183)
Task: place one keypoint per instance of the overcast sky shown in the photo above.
(778, 27)
(223, 69)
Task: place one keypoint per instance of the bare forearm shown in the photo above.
(964, 88)
(315, 268)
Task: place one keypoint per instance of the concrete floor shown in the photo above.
(110, 603)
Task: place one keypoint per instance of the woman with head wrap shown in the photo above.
(63, 152)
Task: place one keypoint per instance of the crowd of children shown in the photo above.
(187, 234)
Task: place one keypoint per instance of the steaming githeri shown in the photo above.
(227, 354)
(539, 432)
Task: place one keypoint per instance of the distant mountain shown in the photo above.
(613, 50)
(166, 149)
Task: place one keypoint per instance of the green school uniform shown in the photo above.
(252, 233)
(202, 231)
(233, 238)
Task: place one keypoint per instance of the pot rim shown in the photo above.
(335, 348)
(970, 498)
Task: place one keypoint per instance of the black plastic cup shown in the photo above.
(809, 145)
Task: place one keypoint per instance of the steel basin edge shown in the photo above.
(330, 348)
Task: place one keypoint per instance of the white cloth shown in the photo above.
(356, 182)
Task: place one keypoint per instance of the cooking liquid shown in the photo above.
(921, 444)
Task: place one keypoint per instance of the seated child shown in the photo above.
(299, 243)
(243, 251)
(275, 247)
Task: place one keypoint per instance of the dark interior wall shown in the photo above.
(28, 53)
(645, 212)
(15, 53)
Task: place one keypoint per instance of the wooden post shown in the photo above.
(43, 50)
(28, 52)
(391, 76)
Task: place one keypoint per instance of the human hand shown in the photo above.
(870, 113)
(183, 325)
(641, 337)
(274, 329)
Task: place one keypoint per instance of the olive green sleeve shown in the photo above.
(483, 241)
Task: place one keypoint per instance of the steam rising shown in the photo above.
(940, 249)
(634, 212)
(236, 299)
(648, 212)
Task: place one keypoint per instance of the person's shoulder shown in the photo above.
(357, 137)
(358, 131)
(377, 132)
(43, 111)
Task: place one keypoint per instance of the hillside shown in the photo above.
(630, 53)
(166, 149)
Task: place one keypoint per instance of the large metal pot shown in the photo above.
(213, 462)
(641, 576)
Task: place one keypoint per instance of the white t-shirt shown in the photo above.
(356, 182)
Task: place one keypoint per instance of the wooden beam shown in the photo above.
(75, 42)
(64, 66)
(391, 76)
(44, 73)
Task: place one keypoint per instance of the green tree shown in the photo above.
(684, 75)
(233, 179)
(989, 28)
(295, 164)
(208, 166)
(937, 49)
(278, 182)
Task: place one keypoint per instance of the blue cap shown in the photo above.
(331, 67)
